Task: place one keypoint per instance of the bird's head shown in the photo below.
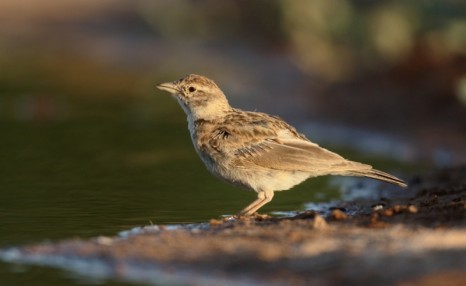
(199, 96)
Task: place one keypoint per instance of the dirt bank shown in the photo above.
(419, 240)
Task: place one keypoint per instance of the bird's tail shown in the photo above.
(379, 175)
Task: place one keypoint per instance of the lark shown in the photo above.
(255, 150)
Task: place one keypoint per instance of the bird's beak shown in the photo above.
(168, 86)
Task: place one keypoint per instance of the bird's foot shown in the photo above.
(256, 216)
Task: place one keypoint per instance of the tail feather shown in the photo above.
(379, 175)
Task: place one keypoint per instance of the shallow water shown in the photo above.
(89, 167)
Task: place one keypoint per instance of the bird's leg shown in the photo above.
(263, 197)
(258, 201)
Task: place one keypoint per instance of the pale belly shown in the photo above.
(275, 180)
(257, 178)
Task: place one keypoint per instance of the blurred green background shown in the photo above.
(90, 147)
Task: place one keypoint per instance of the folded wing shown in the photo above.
(276, 145)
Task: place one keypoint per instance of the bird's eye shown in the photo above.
(191, 89)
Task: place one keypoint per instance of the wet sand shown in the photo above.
(419, 239)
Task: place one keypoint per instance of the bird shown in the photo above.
(255, 150)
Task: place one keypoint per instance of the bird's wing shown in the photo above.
(296, 155)
(273, 144)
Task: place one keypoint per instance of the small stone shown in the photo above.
(104, 240)
(319, 222)
(412, 209)
(216, 221)
(377, 207)
(388, 212)
(337, 214)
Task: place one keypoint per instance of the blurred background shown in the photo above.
(89, 146)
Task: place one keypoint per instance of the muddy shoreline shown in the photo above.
(417, 239)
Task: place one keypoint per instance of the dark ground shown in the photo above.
(416, 240)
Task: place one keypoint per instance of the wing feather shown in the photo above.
(299, 156)
(272, 143)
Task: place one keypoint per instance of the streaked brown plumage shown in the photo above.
(253, 149)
